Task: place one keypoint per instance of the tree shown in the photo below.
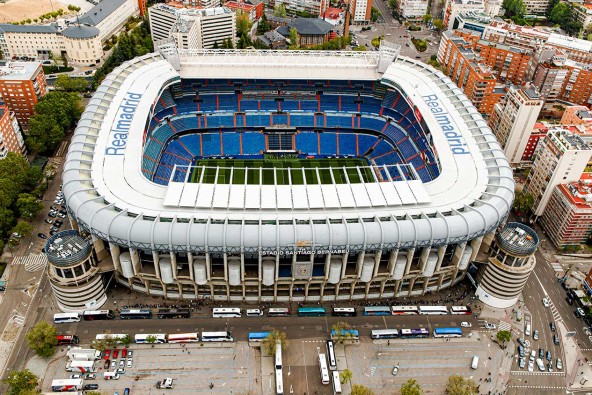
(359, 389)
(264, 25)
(215, 46)
(523, 201)
(504, 337)
(411, 387)
(126, 340)
(100, 345)
(93, 393)
(342, 331)
(279, 10)
(439, 25)
(559, 12)
(345, 376)
(514, 8)
(243, 25)
(458, 385)
(427, 18)
(151, 339)
(23, 228)
(374, 14)
(28, 206)
(270, 342)
(42, 339)
(21, 381)
(294, 38)
(360, 48)
(66, 83)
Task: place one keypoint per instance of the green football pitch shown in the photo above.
(281, 171)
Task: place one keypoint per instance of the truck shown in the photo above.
(66, 385)
(166, 383)
(81, 366)
(83, 354)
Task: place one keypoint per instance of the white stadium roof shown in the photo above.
(110, 197)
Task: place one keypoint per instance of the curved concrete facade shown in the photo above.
(73, 274)
(512, 260)
(253, 255)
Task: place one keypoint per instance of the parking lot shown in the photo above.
(429, 361)
(232, 368)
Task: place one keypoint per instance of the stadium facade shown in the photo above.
(284, 176)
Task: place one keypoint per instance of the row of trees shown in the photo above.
(25, 382)
(563, 14)
(129, 45)
(55, 114)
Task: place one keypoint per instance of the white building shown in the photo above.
(110, 15)
(81, 44)
(493, 7)
(560, 158)
(313, 7)
(455, 7)
(513, 120)
(192, 28)
(361, 11)
(413, 8)
(536, 7)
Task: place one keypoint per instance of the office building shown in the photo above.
(455, 7)
(511, 260)
(513, 119)
(192, 28)
(413, 9)
(11, 139)
(22, 84)
(567, 220)
(560, 158)
(312, 7)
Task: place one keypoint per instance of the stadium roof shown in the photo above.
(109, 196)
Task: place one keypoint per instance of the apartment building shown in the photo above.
(548, 72)
(22, 84)
(254, 9)
(192, 28)
(538, 132)
(11, 139)
(359, 9)
(567, 220)
(515, 35)
(560, 158)
(313, 7)
(513, 119)
(536, 7)
(577, 115)
(411, 9)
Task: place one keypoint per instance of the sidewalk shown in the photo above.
(578, 372)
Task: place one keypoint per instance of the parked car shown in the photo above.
(62, 215)
(42, 235)
(558, 364)
(52, 232)
(91, 376)
(522, 342)
(541, 353)
(75, 376)
(489, 326)
(107, 364)
(129, 363)
(115, 353)
(521, 363)
(579, 312)
(521, 351)
(113, 364)
(556, 340)
(549, 356)
(48, 221)
(89, 387)
(569, 300)
(120, 371)
(122, 363)
(550, 367)
(395, 370)
(552, 326)
(535, 335)
(531, 366)
(465, 324)
(130, 353)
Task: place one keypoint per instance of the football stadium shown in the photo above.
(242, 175)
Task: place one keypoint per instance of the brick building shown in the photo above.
(567, 220)
(22, 84)
(11, 139)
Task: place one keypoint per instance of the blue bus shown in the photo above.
(350, 334)
(447, 332)
(377, 310)
(258, 336)
(311, 312)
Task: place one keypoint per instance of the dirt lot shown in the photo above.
(17, 10)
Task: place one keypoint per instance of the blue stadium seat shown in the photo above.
(253, 143)
(365, 142)
(328, 143)
(211, 144)
(381, 148)
(307, 143)
(191, 141)
(347, 144)
(231, 143)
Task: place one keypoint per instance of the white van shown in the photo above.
(540, 364)
(111, 376)
(475, 362)
(527, 330)
(254, 313)
(532, 355)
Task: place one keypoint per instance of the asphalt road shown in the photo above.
(543, 282)
(295, 327)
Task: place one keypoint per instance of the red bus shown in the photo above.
(67, 339)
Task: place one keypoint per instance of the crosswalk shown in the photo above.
(32, 262)
(504, 326)
(526, 373)
(555, 313)
(556, 267)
